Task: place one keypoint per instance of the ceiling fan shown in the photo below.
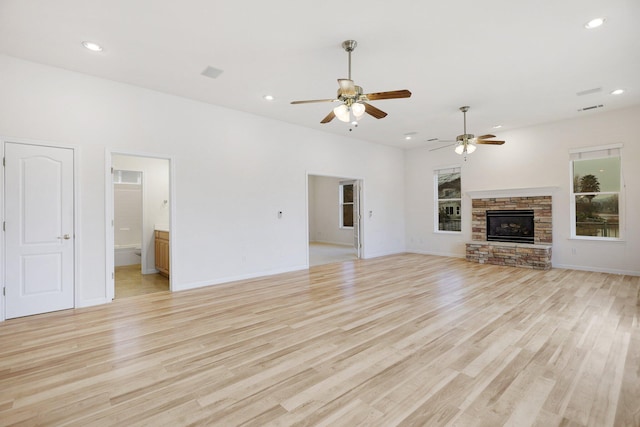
(353, 102)
(466, 143)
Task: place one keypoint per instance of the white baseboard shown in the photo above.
(92, 302)
(194, 285)
(597, 269)
(421, 252)
(380, 254)
(331, 243)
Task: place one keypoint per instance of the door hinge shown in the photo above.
(112, 276)
(3, 161)
(4, 291)
(111, 169)
(4, 226)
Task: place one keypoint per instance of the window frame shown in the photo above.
(594, 153)
(342, 203)
(437, 200)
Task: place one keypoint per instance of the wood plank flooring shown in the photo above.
(131, 282)
(327, 253)
(407, 340)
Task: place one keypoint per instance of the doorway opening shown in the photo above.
(140, 212)
(334, 219)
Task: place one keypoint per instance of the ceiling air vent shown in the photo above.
(593, 107)
(211, 72)
(589, 91)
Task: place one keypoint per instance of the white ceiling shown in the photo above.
(516, 63)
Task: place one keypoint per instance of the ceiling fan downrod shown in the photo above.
(465, 136)
(349, 46)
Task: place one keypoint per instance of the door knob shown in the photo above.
(65, 237)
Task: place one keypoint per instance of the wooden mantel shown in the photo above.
(512, 192)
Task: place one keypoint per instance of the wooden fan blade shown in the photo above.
(484, 141)
(313, 100)
(486, 136)
(329, 117)
(373, 111)
(388, 95)
(347, 87)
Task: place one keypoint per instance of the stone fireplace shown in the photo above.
(513, 230)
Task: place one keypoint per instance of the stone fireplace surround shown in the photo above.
(537, 255)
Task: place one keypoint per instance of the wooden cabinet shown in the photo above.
(162, 252)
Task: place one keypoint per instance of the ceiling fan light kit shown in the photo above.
(349, 114)
(353, 102)
(466, 143)
(463, 148)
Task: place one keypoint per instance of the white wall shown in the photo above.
(326, 216)
(533, 157)
(155, 181)
(232, 173)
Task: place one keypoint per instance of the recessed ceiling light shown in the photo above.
(594, 23)
(408, 137)
(269, 97)
(617, 92)
(497, 126)
(95, 47)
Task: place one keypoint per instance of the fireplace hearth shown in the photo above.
(515, 226)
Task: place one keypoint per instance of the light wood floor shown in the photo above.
(326, 253)
(409, 340)
(131, 282)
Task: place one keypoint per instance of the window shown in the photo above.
(346, 205)
(448, 199)
(127, 177)
(595, 192)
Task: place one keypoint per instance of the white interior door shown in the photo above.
(39, 237)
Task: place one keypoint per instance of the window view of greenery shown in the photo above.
(449, 201)
(347, 205)
(596, 188)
